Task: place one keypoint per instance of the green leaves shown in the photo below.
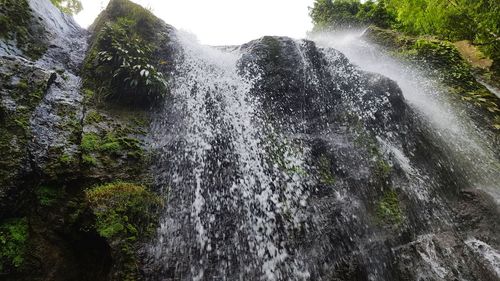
(475, 20)
(342, 14)
(13, 236)
(71, 7)
(129, 59)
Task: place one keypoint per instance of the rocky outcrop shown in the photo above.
(57, 140)
(305, 167)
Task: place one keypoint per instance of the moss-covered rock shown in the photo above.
(128, 42)
(113, 145)
(389, 209)
(56, 140)
(124, 215)
(18, 25)
(22, 86)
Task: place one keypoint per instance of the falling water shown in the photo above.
(470, 146)
(275, 178)
(230, 206)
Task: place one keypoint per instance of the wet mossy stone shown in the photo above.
(125, 214)
(18, 25)
(22, 87)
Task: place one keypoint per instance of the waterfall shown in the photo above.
(476, 156)
(281, 160)
(229, 207)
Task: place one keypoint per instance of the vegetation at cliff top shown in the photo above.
(125, 45)
(68, 6)
(454, 20)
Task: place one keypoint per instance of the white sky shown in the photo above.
(222, 22)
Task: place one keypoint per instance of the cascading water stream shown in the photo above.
(224, 216)
(276, 156)
(475, 156)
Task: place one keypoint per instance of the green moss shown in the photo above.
(13, 238)
(325, 172)
(90, 142)
(16, 23)
(88, 94)
(125, 213)
(123, 209)
(93, 117)
(382, 169)
(110, 143)
(89, 160)
(280, 151)
(23, 85)
(22, 121)
(47, 195)
(389, 210)
(14, 124)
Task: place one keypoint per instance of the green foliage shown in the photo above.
(447, 66)
(388, 209)
(128, 58)
(454, 20)
(90, 142)
(382, 169)
(325, 173)
(89, 160)
(68, 6)
(125, 213)
(93, 117)
(281, 151)
(13, 237)
(47, 195)
(111, 142)
(123, 209)
(345, 14)
(475, 20)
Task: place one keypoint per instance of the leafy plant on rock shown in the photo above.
(13, 237)
(128, 58)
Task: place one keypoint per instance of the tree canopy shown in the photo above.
(68, 6)
(474, 20)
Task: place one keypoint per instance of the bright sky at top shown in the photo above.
(222, 22)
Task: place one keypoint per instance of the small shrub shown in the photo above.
(388, 209)
(47, 195)
(123, 209)
(128, 58)
(325, 173)
(125, 213)
(13, 237)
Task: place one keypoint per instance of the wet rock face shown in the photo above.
(22, 86)
(299, 82)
